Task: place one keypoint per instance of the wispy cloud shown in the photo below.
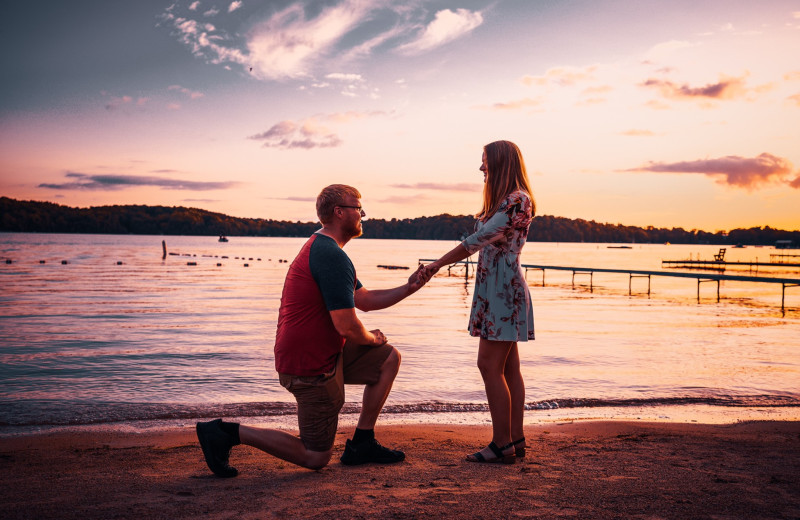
(115, 102)
(561, 76)
(446, 26)
(726, 88)
(742, 172)
(341, 76)
(403, 200)
(183, 90)
(440, 186)
(289, 44)
(299, 42)
(594, 91)
(638, 133)
(83, 181)
(308, 134)
(201, 201)
(313, 132)
(295, 199)
(199, 39)
(519, 104)
(794, 99)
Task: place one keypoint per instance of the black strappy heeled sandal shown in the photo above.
(499, 456)
(519, 451)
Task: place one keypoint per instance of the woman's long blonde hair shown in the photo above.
(505, 173)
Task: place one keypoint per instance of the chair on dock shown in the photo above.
(720, 257)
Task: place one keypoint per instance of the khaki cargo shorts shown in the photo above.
(320, 398)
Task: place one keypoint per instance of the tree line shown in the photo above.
(47, 217)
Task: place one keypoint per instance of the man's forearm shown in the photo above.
(358, 334)
(350, 327)
(383, 298)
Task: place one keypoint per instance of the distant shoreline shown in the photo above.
(44, 217)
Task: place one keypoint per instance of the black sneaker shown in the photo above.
(369, 451)
(216, 446)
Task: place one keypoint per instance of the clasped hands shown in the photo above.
(421, 276)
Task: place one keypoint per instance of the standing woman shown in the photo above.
(502, 314)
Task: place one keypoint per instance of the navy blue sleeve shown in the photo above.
(334, 273)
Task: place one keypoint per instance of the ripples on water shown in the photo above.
(97, 341)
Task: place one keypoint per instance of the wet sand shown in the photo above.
(579, 470)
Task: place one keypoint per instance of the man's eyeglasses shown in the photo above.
(359, 208)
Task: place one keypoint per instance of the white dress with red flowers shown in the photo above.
(501, 304)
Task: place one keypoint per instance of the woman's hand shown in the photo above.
(431, 269)
(417, 279)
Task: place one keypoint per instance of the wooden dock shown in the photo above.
(716, 264)
(634, 273)
(777, 258)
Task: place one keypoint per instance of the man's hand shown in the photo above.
(380, 338)
(419, 278)
(415, 280)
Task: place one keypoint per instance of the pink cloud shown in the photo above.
(638, 133)
(561, 76)
(464, 186)
(117, 102)
(311, 132)
(736, 171)
(192, 94)
(289, 135)
(516, 105)
(726, 88)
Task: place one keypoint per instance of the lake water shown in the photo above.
(119, 336)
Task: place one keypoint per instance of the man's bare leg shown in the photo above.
(363, 447)
(375, 395)
(284, 446)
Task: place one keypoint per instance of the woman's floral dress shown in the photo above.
(501, 305)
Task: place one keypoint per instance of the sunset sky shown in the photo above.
(665, 113)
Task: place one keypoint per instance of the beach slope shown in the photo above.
(580, 470)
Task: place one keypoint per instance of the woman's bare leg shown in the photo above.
(516, 387)
(492, 356)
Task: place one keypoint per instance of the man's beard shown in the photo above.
(356, 230)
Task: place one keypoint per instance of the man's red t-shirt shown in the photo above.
(321, 279)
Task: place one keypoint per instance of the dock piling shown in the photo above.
(591, 279)
(699, 280)
(783, 293)
(631, 276)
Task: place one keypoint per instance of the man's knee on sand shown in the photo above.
(316, 459)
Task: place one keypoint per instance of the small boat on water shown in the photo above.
(223, 238)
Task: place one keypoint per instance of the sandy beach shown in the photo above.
(591, 469)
